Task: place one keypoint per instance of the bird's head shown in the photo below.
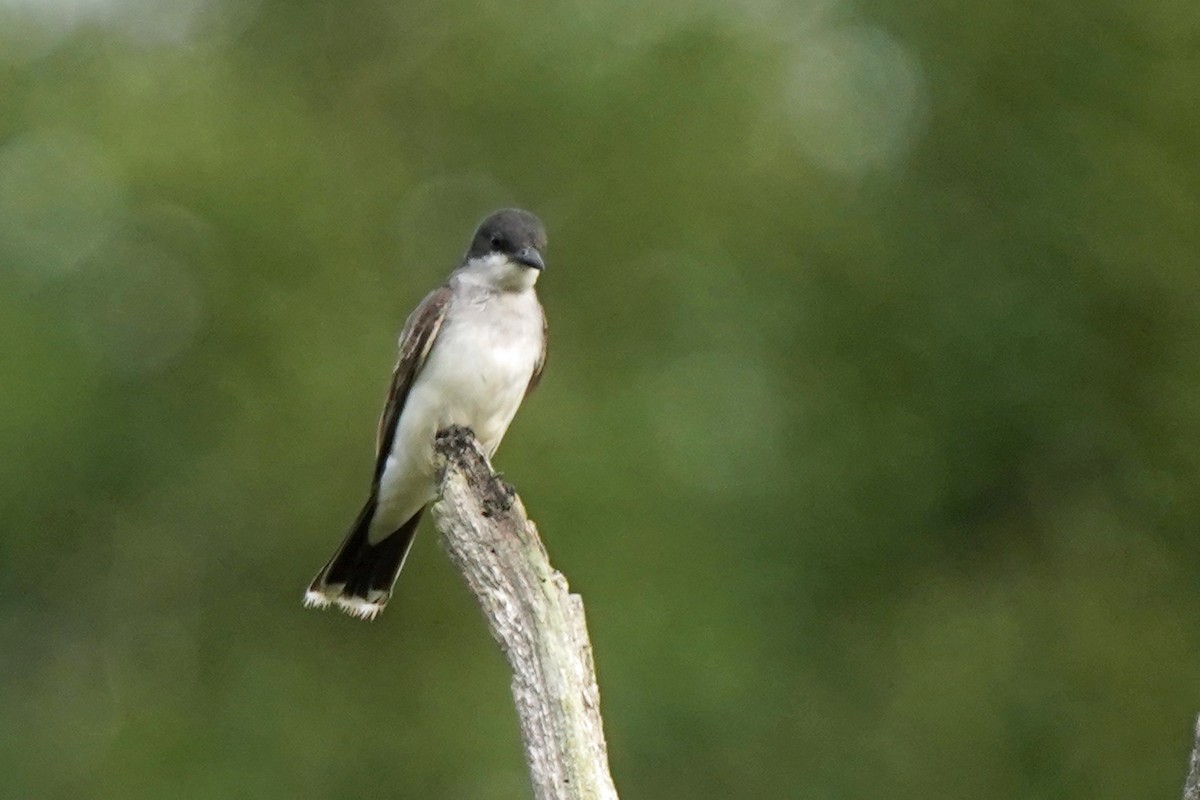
(506, 251)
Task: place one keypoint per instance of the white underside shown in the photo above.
(476, 375)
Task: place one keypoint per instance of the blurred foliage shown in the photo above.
(869, 431)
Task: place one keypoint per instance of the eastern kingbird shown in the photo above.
(469, 354)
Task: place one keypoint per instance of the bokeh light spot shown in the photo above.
(146, 22)
(855, 98)
(145, 311)
(60, 197)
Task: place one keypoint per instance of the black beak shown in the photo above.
(530, 257)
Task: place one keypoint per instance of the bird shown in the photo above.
(470, 353)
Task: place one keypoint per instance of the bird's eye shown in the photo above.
(498, 242)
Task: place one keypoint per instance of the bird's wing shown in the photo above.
(416, 340)
(541, 362)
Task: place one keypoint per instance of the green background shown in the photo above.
(869, 431)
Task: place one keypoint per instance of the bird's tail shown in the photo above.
(360, 576)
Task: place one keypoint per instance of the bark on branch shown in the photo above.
(1191, 787)
(530, 611)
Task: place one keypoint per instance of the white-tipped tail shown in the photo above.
(362, 609)
(359, 577)
(315, 599)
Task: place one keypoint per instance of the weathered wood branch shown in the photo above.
(1191, 787)
(532, 614)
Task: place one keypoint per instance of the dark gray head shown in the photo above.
(516, 235)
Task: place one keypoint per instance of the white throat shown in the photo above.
(498, 272)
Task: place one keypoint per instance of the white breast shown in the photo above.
(476, 375)
(480, 367)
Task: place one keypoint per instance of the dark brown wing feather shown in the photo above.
(416, 340)
(536, 377)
